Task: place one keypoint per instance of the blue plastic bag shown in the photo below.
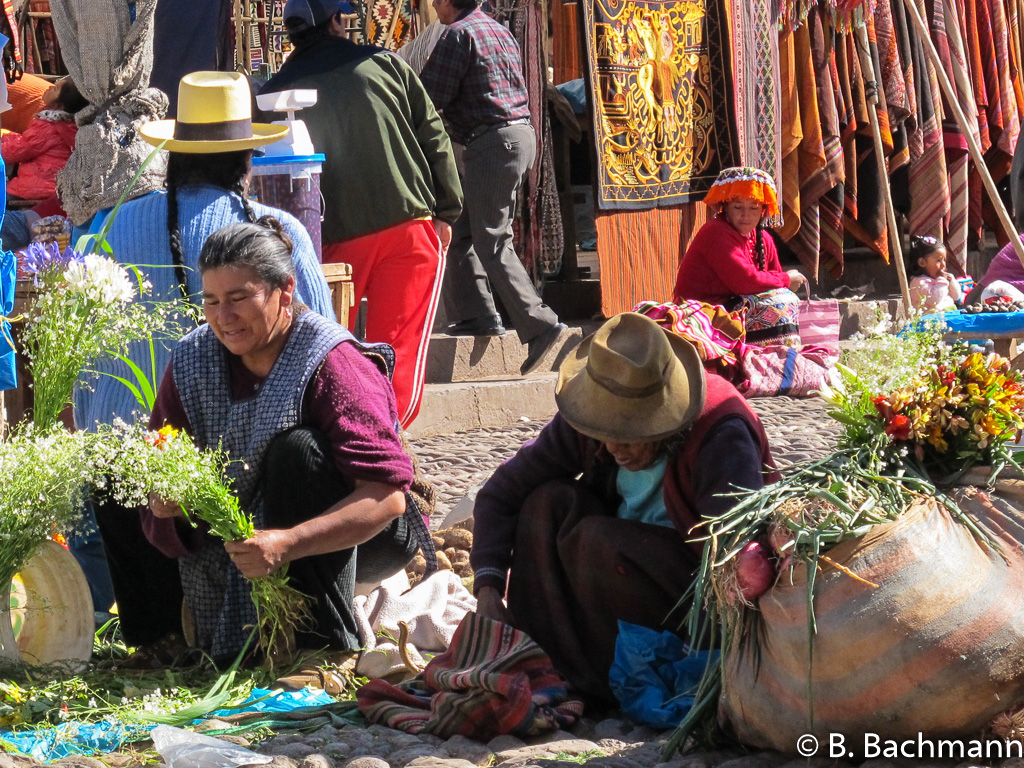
(655, 675)
(46, 744)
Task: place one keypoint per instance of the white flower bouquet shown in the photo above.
(85, 308)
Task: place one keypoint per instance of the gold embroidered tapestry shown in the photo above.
(661, 92)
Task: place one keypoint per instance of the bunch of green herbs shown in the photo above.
(169, 465)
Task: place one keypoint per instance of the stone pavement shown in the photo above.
(798, 429)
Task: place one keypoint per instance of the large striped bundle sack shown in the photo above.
(923, 633)
(493, 679)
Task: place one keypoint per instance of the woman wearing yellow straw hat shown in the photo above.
(733, 261)
(588, 524)
(210, 145)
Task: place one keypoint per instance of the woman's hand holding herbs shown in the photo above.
(161, 508)
(262, 554)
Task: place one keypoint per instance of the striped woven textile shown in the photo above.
(493, 679)
(936, 647)
(756, 86)
(929, 182)
(639, 253)
(808, 243)
(789, 199)
(716, 333)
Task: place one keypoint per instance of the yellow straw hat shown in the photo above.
(631, 382)
(214, 115)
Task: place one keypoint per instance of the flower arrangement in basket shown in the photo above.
(905, 427)
(85, 307)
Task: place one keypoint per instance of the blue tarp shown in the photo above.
(980, 324)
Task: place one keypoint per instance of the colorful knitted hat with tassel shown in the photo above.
(744, 182)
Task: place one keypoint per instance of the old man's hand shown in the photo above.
(490, 605)
(261, 555)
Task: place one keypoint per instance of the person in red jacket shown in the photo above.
(733, 258)
(45, 146)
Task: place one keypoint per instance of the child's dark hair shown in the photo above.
(921, 246)
(71, 100)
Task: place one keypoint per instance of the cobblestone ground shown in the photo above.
(797, 427)
(798, 430)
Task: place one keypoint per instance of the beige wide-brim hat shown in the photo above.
(630, 382)
(214, 115)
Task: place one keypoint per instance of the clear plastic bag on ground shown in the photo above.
(184, 749)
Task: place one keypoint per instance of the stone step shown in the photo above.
(458, 406)
(469, 358)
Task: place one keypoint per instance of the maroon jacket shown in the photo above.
(726, 449)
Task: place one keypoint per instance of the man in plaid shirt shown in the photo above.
(475, 77)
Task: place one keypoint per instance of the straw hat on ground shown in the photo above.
(214, 115)
(631, 382)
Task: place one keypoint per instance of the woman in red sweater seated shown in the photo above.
(732, 261)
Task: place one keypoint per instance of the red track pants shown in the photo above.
(399, 271)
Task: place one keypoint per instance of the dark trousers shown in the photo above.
(300, 482)
(577, 570)
(482, 258)
(147, 585)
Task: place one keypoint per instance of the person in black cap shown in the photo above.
(390, 184)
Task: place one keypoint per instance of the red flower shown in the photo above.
(898, 427)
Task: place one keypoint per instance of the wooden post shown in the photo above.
(867, 66)
(961, 119)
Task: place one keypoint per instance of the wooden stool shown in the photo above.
(339, 280)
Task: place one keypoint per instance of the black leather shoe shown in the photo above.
(477, 326)
(539, 346)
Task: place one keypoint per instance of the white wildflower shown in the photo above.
(99, 280)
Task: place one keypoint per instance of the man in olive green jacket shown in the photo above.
(389, 182)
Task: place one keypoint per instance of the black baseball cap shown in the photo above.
(300, 15)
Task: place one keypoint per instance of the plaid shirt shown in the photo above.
(475, 75)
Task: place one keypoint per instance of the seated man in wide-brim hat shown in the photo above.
(589, 523)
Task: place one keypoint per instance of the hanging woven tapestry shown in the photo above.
(662, 99)
(389, 23)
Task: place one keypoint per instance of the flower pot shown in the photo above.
(53, 612)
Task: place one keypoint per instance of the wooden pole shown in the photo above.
(961, 119)
(871, 86)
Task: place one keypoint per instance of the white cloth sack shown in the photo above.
(433, 609)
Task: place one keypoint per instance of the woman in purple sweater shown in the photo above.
(309, 416)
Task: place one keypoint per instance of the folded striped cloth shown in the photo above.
(493, 679)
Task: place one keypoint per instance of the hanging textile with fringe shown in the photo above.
(659, 82)
(639, 253)
(390, 23)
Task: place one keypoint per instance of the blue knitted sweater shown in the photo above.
(139, 237)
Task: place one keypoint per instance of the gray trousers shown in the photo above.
(481, 257)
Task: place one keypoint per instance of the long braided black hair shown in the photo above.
(228, 170)
(759, 245)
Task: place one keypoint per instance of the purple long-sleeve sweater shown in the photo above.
(348, 399)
